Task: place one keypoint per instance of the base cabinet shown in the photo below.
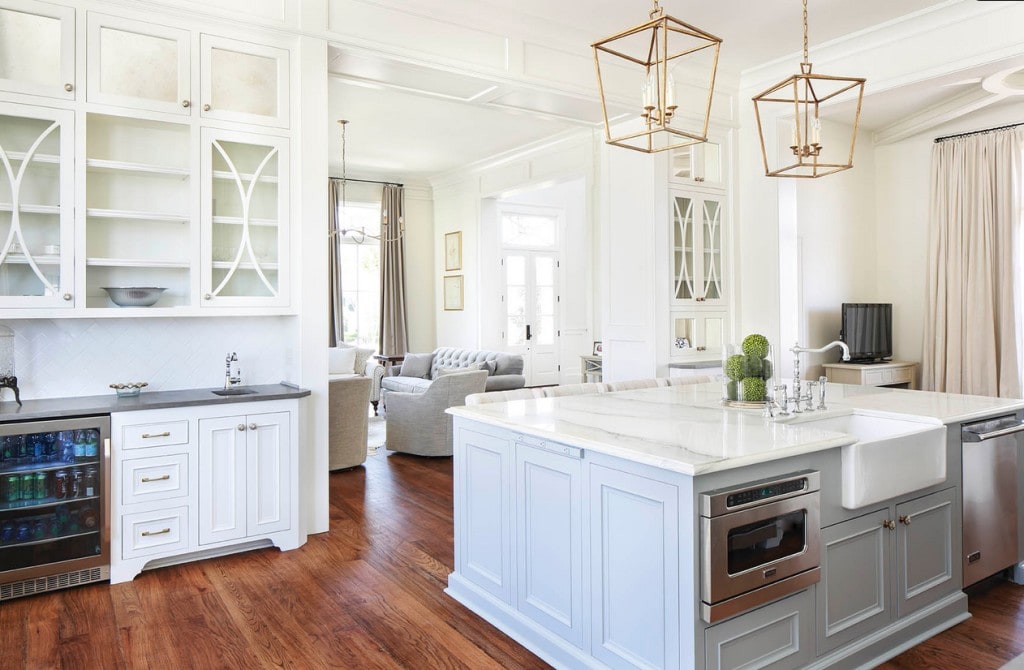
(198, 479)
(885, 565)
(779, 635)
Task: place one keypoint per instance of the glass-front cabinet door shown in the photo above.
(697, 164)
(36, 206)
(698, 334)
(698, 241)
(37, 48)
(244, 82)
(244, 219)
(139, 65)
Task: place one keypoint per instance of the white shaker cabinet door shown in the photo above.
(38, 41)
(268, 473)
(244, 82)
(222, 475)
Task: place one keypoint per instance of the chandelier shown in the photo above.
(648, 53)
(802, 95)
(359, 235)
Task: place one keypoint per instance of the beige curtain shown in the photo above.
(337, 315)
(394, 340)
(973, 324)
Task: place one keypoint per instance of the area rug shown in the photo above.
(1015, 664)
(375, 434)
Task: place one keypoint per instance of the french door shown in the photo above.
(531, 313)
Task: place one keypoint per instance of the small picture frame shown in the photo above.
(598, 349)
(453, 293)
(453, 251)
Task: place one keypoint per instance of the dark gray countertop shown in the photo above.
(55, 408)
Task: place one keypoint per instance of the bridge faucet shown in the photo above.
(797, 350)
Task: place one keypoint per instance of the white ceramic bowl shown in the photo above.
(133, 296)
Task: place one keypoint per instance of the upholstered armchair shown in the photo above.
(417, 422)
(346, 360)
(347, 421)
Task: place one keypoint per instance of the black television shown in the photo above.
(867, 330)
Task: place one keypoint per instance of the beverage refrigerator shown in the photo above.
(54, 504)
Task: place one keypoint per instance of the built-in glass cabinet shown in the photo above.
(37, 43)
(697, 249)
(36, 206)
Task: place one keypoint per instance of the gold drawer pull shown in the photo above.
(147, 436)
(161, 478)
(148, 533)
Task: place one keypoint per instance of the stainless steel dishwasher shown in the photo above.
(990, 464)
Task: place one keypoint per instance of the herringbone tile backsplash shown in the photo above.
(74, 357)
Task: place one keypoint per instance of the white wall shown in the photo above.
(420, 305)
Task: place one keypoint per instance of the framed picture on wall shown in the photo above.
(453, 250)
(453, 293)
(598, 349)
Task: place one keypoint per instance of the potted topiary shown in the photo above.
(748, 372)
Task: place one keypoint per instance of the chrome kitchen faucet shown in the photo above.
(809, 398)
(231, 380)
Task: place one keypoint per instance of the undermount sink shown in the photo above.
(890, 458)
(237, 390)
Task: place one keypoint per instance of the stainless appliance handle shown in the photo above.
(969, 436)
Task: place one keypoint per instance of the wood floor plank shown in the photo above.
(368, 594)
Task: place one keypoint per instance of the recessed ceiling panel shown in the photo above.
(408, 76)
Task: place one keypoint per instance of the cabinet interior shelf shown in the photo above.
(135, 263)
(103, 165)
(21, 259)
(230, 176)
(48, 159)
(47, 540)
(237, 221)
(135, 215)
(224, 265)
(31, 209)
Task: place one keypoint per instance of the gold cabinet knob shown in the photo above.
(889, 523)
(186, 103)
(69, 87)
(241, 427)
(905, 519)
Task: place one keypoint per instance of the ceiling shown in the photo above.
(411, 121)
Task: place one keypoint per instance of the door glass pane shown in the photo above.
(712, 250)
(545, 270)
(528, 230)
(682, 163)
(714, 332)
(682, 248)
(34, 229)
(30, 49)
(516, 331)
(545, 300)
(517, 301)
(712, 162)
(245, 225)
(683, 331)
(243, 82)
(138, 65)
(515, 270)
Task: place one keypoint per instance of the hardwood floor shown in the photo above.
(368, 594)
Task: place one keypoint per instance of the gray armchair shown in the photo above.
(347, 421)
(417, 422)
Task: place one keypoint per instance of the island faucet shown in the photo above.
(230, 379)
(797, 350)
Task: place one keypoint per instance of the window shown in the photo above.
(360, 273)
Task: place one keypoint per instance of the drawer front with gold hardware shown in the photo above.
(154, 532)
(155, 434)
(156, 478)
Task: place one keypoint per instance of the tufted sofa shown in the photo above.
(505, 371)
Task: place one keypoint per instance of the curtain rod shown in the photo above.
(977, 132)
(367, 181)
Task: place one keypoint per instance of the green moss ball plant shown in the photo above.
(734, 367)
(748, 370)
(754, 389)
(755, 345)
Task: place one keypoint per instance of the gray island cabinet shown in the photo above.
(582, 530)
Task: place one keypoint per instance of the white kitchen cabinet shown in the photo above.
(244, 82)
(190, 479)
(139, 65)
(38, 41)
(549, 538)
(698, 249)
(885, 565)
(140, 209)
(484, 513)
(245, 217)
(699, 334)
(245, 468)
(699, 164)
(36, 207)
(634, 569)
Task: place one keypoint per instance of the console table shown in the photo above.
(897, 374)
(591, 368)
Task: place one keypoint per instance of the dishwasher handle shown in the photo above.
(971, 436)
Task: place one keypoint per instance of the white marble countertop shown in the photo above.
(686, 429)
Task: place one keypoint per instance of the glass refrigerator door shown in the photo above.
(53, 497)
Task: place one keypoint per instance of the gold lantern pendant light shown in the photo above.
(646, 53)
(802, 95)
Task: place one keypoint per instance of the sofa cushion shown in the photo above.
(362, 355)
(405, 384)
(341, 360)
(335, 377)
(480, 365)
(417, 365)
(504, 364)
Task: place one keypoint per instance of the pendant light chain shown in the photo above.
(805, 31)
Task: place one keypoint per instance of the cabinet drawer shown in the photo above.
(900, 375)
(155, 434)
(156, 478)
(162, 531)
(875, 377)
(780, 635)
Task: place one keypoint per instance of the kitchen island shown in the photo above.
(582, 526)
